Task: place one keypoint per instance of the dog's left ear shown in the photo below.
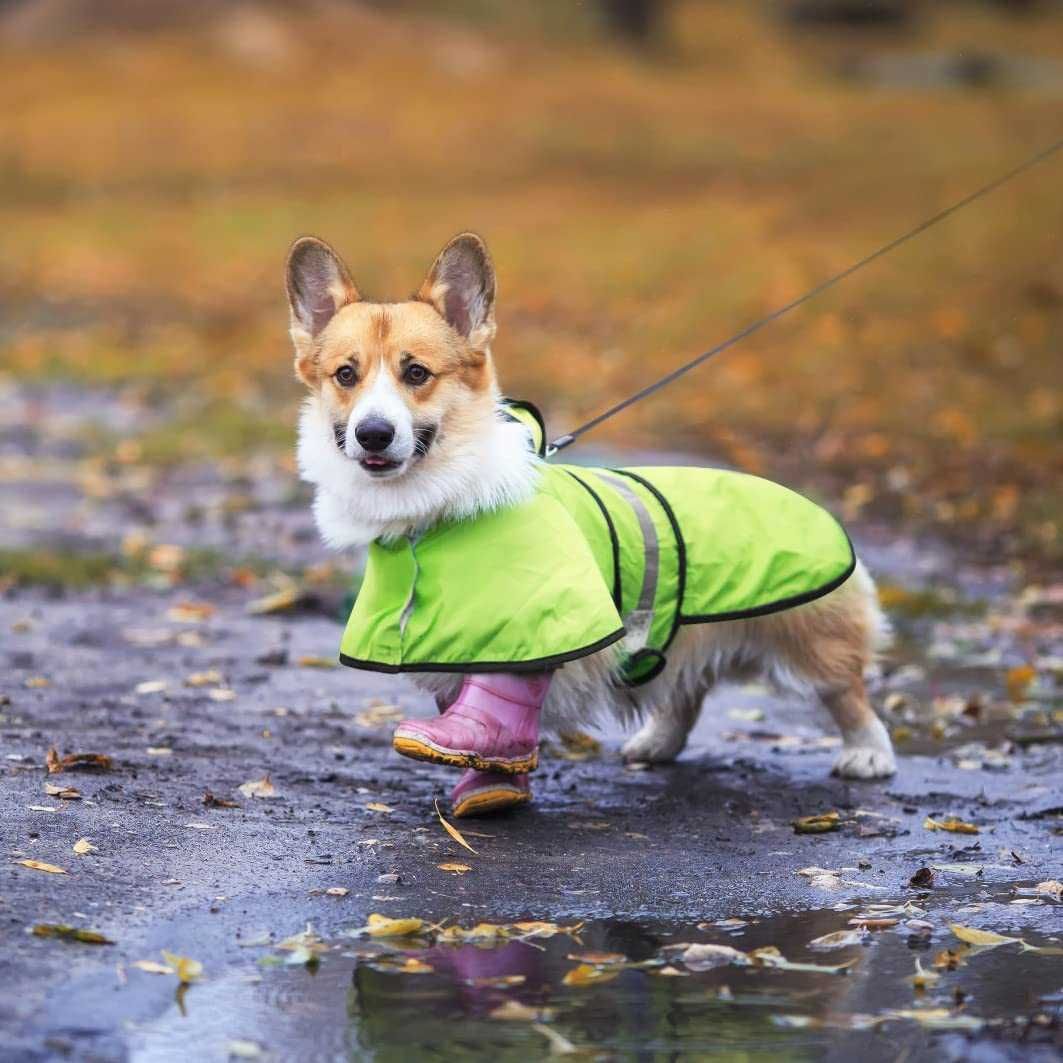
(461, 286)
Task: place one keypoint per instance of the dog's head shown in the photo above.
(398, 383)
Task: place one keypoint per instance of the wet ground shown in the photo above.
(165, 669)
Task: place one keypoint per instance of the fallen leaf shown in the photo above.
(454, 832)
(337, 891)
(378, 716)
(37, 682)
(705, 957)
(559, 1044)
(262, 788)
(1052, 888)
(923, 879)
(83, 847)
(1018, 681)
(515, 1011)
(151, 686)
(416, 966)
(152, 967)
(577, 746)
(200, 826)
(42, 808)
(38, 865)
(211, 801)
(286, 598)
(982, 938)
(64, 793)
(212, 677)
(936, 1018)
(840, 939)
(873, 922)
(221, 694)
(501, 981)
(190, 612)
(586, 974)
(923, 979)
(817, 824)
(70, 933)
(379, 806)
(953, 825)
(380, 926)
(455, 869)
(75, 761)
(159, 751)
(315, 662)
(243, 1049)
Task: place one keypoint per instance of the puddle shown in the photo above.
(637, 993)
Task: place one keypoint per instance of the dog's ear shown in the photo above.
(318, 285)
(461, 286)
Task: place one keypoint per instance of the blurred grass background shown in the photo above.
(643, 196)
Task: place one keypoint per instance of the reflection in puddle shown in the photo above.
(621, 990)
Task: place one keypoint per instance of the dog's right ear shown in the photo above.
(318, 285)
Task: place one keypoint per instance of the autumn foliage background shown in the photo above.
(642, 202)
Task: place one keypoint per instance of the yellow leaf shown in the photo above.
(1052, 888)
(984, 938)
(515, 1011)
(379, 806)
(38, 865)
(1018, 681)
(151, 967)
(211, 677)
(585, 975)
(454, 832)
(456, 869)
(380, 926)
(64, 793)
(71, 933)
(337, 891)
(953, 825)
(840, 939)
(817, 824)
(83, 847)
(416, 966)
(263, 788)
(316, 662)
(186, 969)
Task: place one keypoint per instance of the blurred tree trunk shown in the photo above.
(638, 22)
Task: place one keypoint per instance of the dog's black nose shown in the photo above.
(375, 434)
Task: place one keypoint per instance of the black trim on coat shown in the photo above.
(530, 407)
(540, 664)
(618, 595)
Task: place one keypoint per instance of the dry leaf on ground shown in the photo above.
(454, 869)
(64, 793)
(151, 686)
(380, 926)
(982, 938)
(820, 823)
(39, 865)
(190, 612)
(213, 801)
(379, 806)
(951, 824)
(454, 832)
(262, 788)
(586, 974)
(840, 939)
(70, 933)
(83, 847)
(75, 761)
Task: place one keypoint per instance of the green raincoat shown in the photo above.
(595, 557)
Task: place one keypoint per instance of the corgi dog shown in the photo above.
(404, 426)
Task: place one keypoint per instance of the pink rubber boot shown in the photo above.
(492, 726)
(482, 793)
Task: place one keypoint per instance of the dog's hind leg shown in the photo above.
(663, 736)
(867, 752)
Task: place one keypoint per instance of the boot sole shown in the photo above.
(420, 749)
(486, 802)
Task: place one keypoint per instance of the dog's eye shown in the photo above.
(416, 374)
(346, 376)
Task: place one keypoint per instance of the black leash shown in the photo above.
(566, 440)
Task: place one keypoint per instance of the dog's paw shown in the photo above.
(653, 745)
(865, 762)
